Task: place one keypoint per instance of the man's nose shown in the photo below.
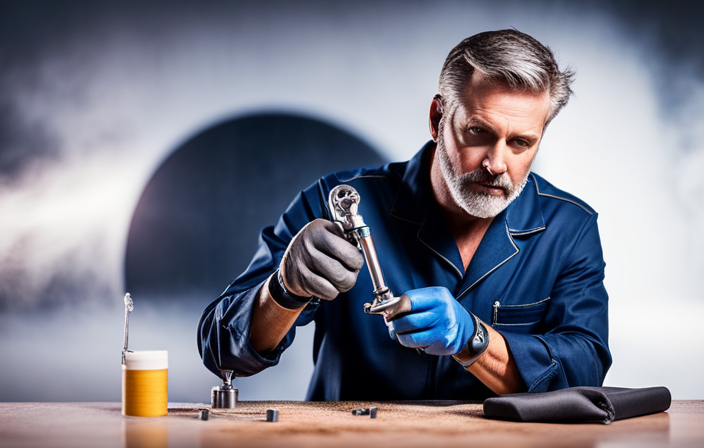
(495, 160)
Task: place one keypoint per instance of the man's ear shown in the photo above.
(436, 112)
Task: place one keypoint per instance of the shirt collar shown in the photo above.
(415, 198)
(524, 215)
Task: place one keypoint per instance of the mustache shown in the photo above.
(481, 176)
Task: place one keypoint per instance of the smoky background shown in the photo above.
(96, 97)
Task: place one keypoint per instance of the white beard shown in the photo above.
(481, 205)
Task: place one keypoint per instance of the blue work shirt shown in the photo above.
(536, 277)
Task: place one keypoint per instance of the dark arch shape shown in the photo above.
(196, 224)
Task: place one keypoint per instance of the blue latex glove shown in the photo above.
(437, 322)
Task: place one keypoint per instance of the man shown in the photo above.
(503, 272)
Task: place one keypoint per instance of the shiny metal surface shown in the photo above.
(129, 306)
(344, 204)
(224, 396)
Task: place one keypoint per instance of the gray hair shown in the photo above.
(507, 56)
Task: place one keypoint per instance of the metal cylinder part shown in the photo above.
(272, 415)
(372, 259)
(223, 397)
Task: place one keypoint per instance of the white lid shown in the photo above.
(147, 360)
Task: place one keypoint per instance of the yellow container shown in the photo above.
(145, 383)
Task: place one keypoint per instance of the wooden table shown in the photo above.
(316, 424)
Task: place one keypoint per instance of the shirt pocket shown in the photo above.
(522, 318)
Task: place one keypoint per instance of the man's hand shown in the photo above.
(437, 322)
(320, 262)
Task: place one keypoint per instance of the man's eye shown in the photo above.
(521, 142)
(475, 130)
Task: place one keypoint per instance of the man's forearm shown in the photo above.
(496, 368)
(270, 321)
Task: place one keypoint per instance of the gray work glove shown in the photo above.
(320, 262)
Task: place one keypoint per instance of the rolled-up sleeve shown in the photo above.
(225, 337)
(224, 327)
(574, 350)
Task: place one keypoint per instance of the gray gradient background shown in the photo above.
(94, 96)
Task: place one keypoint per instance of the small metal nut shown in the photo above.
(272, 415)
(203, 415)
(372, 412)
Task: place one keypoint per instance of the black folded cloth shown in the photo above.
(579, 404)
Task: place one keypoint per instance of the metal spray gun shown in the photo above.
(344, 204)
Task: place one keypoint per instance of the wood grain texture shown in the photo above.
(318, 424)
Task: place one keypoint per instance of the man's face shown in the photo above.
(487, 146)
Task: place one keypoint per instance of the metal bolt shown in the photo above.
(272, 415)
(371, 412)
